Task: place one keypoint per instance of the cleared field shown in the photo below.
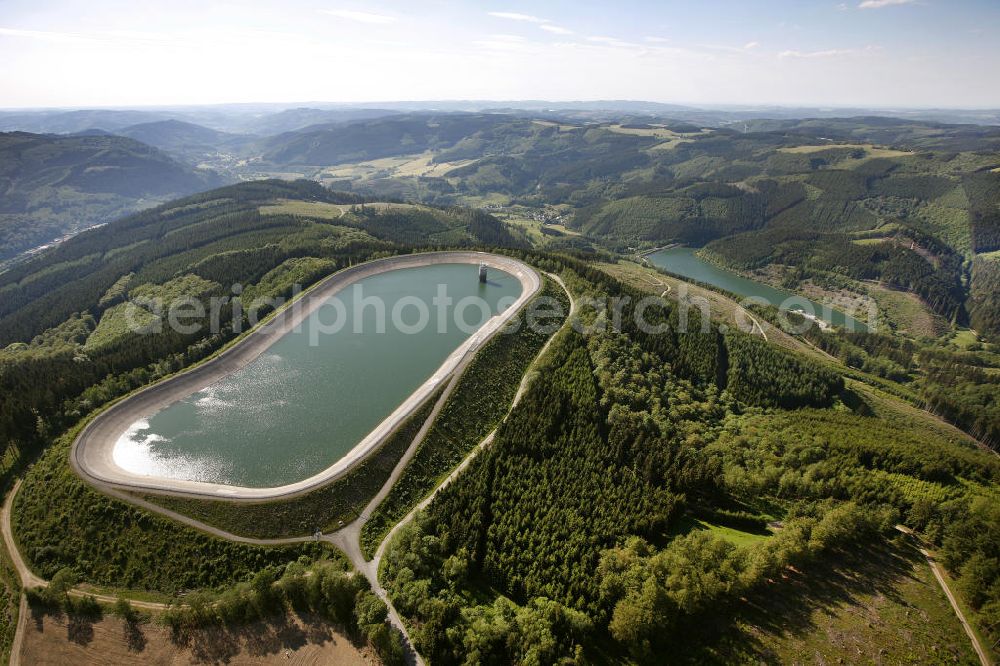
(422, 166)
(302, 641)
(908, 313)
(670, 144)
(549, 123)
(319, 209)
(871, 150)
(533, 228)
(671, 139)
(419, 165)
(964, 339)
(888, 610)
(658, 132)
(328, 211)
(735, 536)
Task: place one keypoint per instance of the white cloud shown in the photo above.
(828, 53)
(656, 40)
(508, 38)
(879, 4)
(751, 45)
(38, 34)
(543, 23)
(507, 43)
(95, 37)
(555, 29)
(514, 16)
(361, 17)
(604, 42)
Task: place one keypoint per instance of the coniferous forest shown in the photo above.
(644, 492)
(574, 528)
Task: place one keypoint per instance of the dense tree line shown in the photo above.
(62, 523)
(760, 374)
(937, 281)
(964, 395)
(983, 191)
(323, 587)
(961, 387)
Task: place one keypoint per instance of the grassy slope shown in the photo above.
(738, 537)
(880, 605)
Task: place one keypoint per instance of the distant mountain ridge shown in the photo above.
(338, 143)
(164, 134)
(273, 119)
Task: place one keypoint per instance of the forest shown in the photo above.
(51, 186)
(564, 535)
(645, 481)
(959, 386)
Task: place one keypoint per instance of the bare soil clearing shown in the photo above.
(300, 641)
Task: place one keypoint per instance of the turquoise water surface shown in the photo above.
(684, 262)
(298, 408)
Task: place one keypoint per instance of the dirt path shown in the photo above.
(649, 277)
(984, 657)
(936, 568)
(29, 579)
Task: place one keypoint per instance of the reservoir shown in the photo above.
(684, 262)
(309, 398)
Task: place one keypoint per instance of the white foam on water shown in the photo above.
(210, 400)
(136, 452)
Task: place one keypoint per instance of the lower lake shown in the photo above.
(684, 262)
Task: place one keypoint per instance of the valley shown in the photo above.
(590, 490)
(500, 334)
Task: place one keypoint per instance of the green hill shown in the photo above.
(176, 135)
(902, 202)
(643, 488)
(55, 185)
(337, 143)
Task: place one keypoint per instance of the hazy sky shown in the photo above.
(943, 53)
